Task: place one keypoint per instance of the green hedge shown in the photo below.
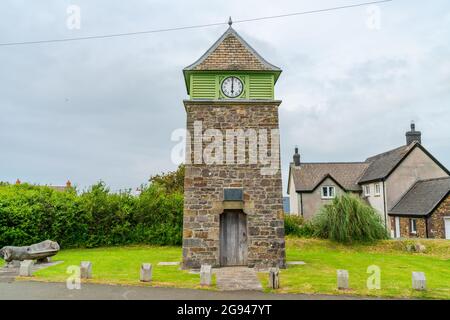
(97, 217)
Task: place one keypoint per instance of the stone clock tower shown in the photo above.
(233, 212)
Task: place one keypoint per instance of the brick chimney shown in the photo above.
(296, 157)
(413, 135)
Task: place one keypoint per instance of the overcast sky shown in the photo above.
(105, 109)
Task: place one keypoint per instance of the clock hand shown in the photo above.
(232, 85)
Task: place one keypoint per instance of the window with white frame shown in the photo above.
(413, 227)
(328, 192)
(377, 189)
(367, 190)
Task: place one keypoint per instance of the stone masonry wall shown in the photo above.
(405, 226)
(204, 186)
(436, 223)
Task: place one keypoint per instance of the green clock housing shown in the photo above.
(204, 77)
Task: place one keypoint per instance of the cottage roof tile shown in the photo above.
(307, 176)
(422, 198)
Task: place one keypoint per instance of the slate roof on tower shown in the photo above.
(231, 52)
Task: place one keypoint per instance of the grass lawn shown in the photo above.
(120, 265)
(323, 258)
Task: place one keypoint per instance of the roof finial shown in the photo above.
(230, 22)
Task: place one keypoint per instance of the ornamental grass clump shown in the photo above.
(348, 219)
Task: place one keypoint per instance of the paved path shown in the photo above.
(9, 273)
(237, 278)
(30, 290)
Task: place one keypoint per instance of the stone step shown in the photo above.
(237, 278)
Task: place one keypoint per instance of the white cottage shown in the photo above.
(383, 180)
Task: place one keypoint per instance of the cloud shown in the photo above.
(105, 109)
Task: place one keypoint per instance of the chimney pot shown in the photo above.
(413, 135)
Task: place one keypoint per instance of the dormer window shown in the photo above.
(328, 192)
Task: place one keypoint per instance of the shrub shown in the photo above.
(296, 226)
(159, 216)
(30, 213)
(172, 181)
(349, 219)
(292, 224)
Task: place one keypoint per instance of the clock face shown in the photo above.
(232, 87)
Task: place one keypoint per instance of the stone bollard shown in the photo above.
(205, 275)
(274, 278)
(419, 281)
(342, 279)
(86, 270)
(26, 268)
(146, 272)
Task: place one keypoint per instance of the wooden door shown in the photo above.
(233, 238)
